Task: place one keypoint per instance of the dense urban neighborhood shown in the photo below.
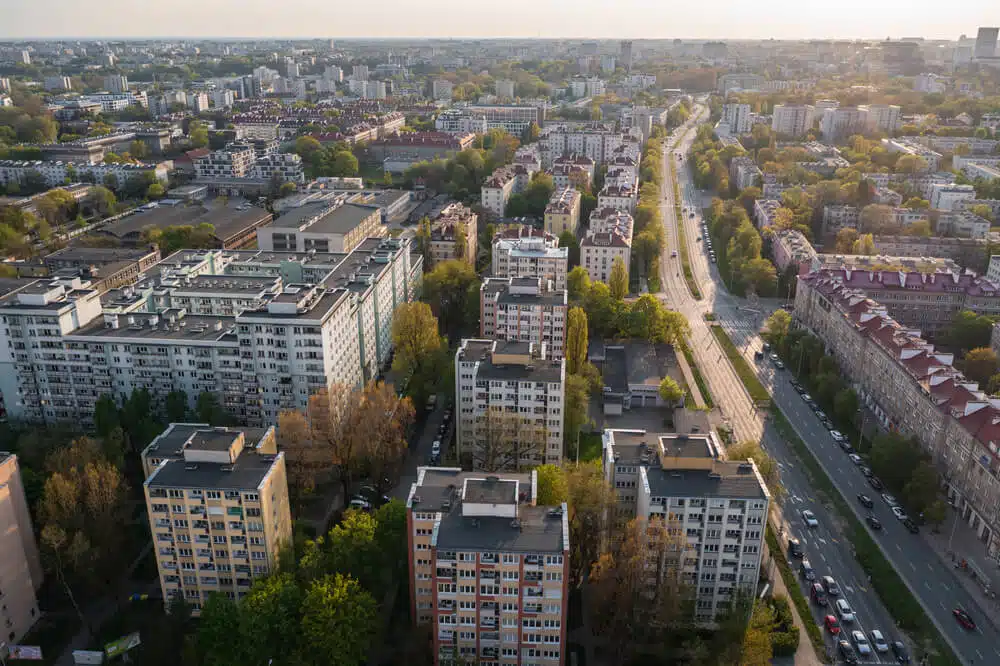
(508, 352)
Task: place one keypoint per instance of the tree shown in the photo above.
(922, 489)
(983, 211)
(878, 219)
(845, 240)
(446, 288)
(176, 406)
(911, 164)
(618, 280)
(287, 189)
(894, 459)
(864, 245)
(508, 441)
(969, 331)
(568, 239)
(106, 415)
(919, 228)
(845, 405)
(308, 148)
(757, 649)
(345, 164)
(670, 391)
(980, 364)
(576, 407)
(578, 284)
(461, 243)
(198, 134)
(414, 336)
(138, 149)
(208, 409)
(338, 622)
(102, 200)
(576, 340)
(306, 459)
(776, 327)
(553, 488)
(592, 502)
(56, 206)
(155, 191)
(766, 465)
(917, 203)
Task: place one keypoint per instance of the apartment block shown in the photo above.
(321, 227)
(597, 141)
(737, 116)
(837, 217)
(528, 309)
(523, 251)
(792, 120)
(791, 248)
(717, 508)
(284, 167)
(946, 197)
(838, 124)
(915, 390)
(563, 211)
(441, 89)
(218, 510)
(234, 161)
(445, 234)
(489, 568)
(743, 173)
(21, 572)
(512, 118)
(885, 118)
(608, 238)
(505, 181)
(509, 398)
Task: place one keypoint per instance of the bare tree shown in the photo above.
(307, 459)
(508, 441)
(387, 418)
(592, 507)
(335, 425)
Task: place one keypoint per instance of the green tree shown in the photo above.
(670, 391)
(176, 406)
(106, 415)
(308, 148)
(845, 240)
(980, 364)
(969, 331)
(209, 410)
(776, 326)
(553, 489)
(922, 489)
(345, 164)
(270, 617)
(864, 245)
(618, 280)
(576, 340)
(338, 622)
(447, 289)
(102, 200)
(138, 149)
(287, 189)
(757, 649)
(198, 134)
(576, 405)
(845, 405)
(578, 284)
(421, 352)
(917, 203)
(568, 239)
(766, 465)
(155, 191)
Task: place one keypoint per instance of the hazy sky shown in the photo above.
(733, 19)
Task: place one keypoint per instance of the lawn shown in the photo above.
(699, 379)
(743, 370)
(590, 446)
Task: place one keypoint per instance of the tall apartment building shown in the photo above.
(489, 568)
(913, 389)
(719, 506)
(509, 404)
(882, 117)
(235, 160)
(218, 510)
(597, 141)
(738, 81)
(743, 173)
(20, 565)
(505, 88)
(840, 123)
(608, 238)
(441, 89)
(446, 238)
(792, 120)
(524, 251)
(528, 309)
(986, 42)
(206, 320)
(737, 116)
(563, 211)
(116, 83)
(51, 83)
(223, 99)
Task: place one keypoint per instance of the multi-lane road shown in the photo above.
(830, 553)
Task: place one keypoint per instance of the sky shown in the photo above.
(613, 19)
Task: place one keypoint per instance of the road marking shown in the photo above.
(945, 586)
(927, 585)
(941, 604)
(980, 654)
(913, 566)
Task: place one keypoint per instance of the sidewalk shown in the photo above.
(699, 400)
(804, 655)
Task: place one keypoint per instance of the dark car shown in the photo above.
(818, 594)
(875, 483)
(795, 547)
(847, 652)
(964, 619)
(874, 522)
(866, 501)
(911, 526)
(902, 655)
(867, 471)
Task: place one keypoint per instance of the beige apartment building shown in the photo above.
(489, 568)
(445, 234)
(20, 565)
(218, 509)
(915, 390)
(563, 212)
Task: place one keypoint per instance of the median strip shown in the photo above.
(743, 370)
(699, 379)
(682, 245)
(896, 596)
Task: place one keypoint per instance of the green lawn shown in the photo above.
(699, 379)
(743, 370)
(590, 446)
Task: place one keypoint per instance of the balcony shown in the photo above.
(446, 605)
(534, 592)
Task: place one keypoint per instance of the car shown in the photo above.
(359, 504)
(964, 619)
(889, 499)
(844, 611)
(902, 654)
(807, 571)
(691, 215)
(820, 414)
(779, 365)
(867, 471)
(810, 518)
(866, 501)
(796, 386)
(795, 547)
(899, 513)
(846, 447)
(911, 526)
(861, 642)
(837, 435)
(831, 586)
(697, 238)
(368, 490)
(818, 594)
(847, 652)
(673, 253)
(759, 355)
(436, 448)
(831, 624)
(773, 357)
(878, 641)
(874, 523)
(806, 398)
(855, 458)
(874, 482)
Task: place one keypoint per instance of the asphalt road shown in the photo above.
(825, 546)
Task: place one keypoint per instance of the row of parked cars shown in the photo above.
(826, 591)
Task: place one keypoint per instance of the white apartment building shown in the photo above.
(836, 218)
(528, 252)
(58, 173)
(737, 116)
(223, 98)
(198, 102)
(946, 197)
(505, 88)
(496, 381)
(513, 119)
(441, 89)
(840, 123)
(115, 102)
(608, 238)
(505, 181)
(930, 83)
(963, 224)
(359, 72)
(619, 197)
(235, 160)
(116, 83)
(764, 211)
(525, 309)
(597, 141)
(909, 147)
(720, 507)
(738, 81)
(52, 83)
(489, 568)
(743, 173)
(21, 570)
(284, 166)
(792, 120)
(457, 121)
(882, 117)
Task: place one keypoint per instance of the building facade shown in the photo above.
(524, 251)
(526, 309)
(21, 571)
(563, 212)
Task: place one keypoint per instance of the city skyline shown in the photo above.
(61, 19)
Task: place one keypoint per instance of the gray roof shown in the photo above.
(339, 220)
(537, 370)
(227, 221)
(614, 372)
(196, 328)
(246, 473)
(726, 481)
(441, 484)
(536, 531)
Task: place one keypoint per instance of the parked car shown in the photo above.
(875, 483)
(810, 518)
(861, 643)
(773, 357)
(878, 641)
(847, 652)
(818, 594)
(889, 499)
(779, 365)
(837, 435)
(902, 654)
(436, 448)
(359, 504)
(964, 619)
(865, 501)
(844, 611)
(910, 525)
(831, 586)
(899, 513)
(867, 471)
(855, 458)
(831, 624)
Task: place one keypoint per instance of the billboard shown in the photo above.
(122, 645)
(26, 652)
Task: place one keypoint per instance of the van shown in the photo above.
(806, 570)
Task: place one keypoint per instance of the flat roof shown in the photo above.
(196, 328)
(725, 480)
(339, 220)
(246, 473)
(537, 530)
(227, 221)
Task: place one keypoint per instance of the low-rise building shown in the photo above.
(743, 172)
(792, 249)
(509, 399)
(908, 147)
(523, 251)
(218, 511)
(619, 197)
(236, 160)
(316, 226)
(967, 252)
(946, 197)
(563, 211)
(963, 224)
(837, 217)
(526, 309)
(420, 145)
(505, 181)
(764, 211)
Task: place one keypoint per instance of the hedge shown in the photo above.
(799, 599)
(699, 379)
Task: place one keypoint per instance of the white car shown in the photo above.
(844, 610)
(889, 499)
(436, 448)
(878, 640)
(899, 513)
(837, 435)
(855, 458)
(359, 504)
(810, 518)
(861, 643)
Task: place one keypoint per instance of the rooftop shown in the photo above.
(317, 218)
(227, 221)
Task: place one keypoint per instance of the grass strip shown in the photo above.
(682, 246)
(699, 379)
(896, 596)
(743, 370)
(795, 592)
